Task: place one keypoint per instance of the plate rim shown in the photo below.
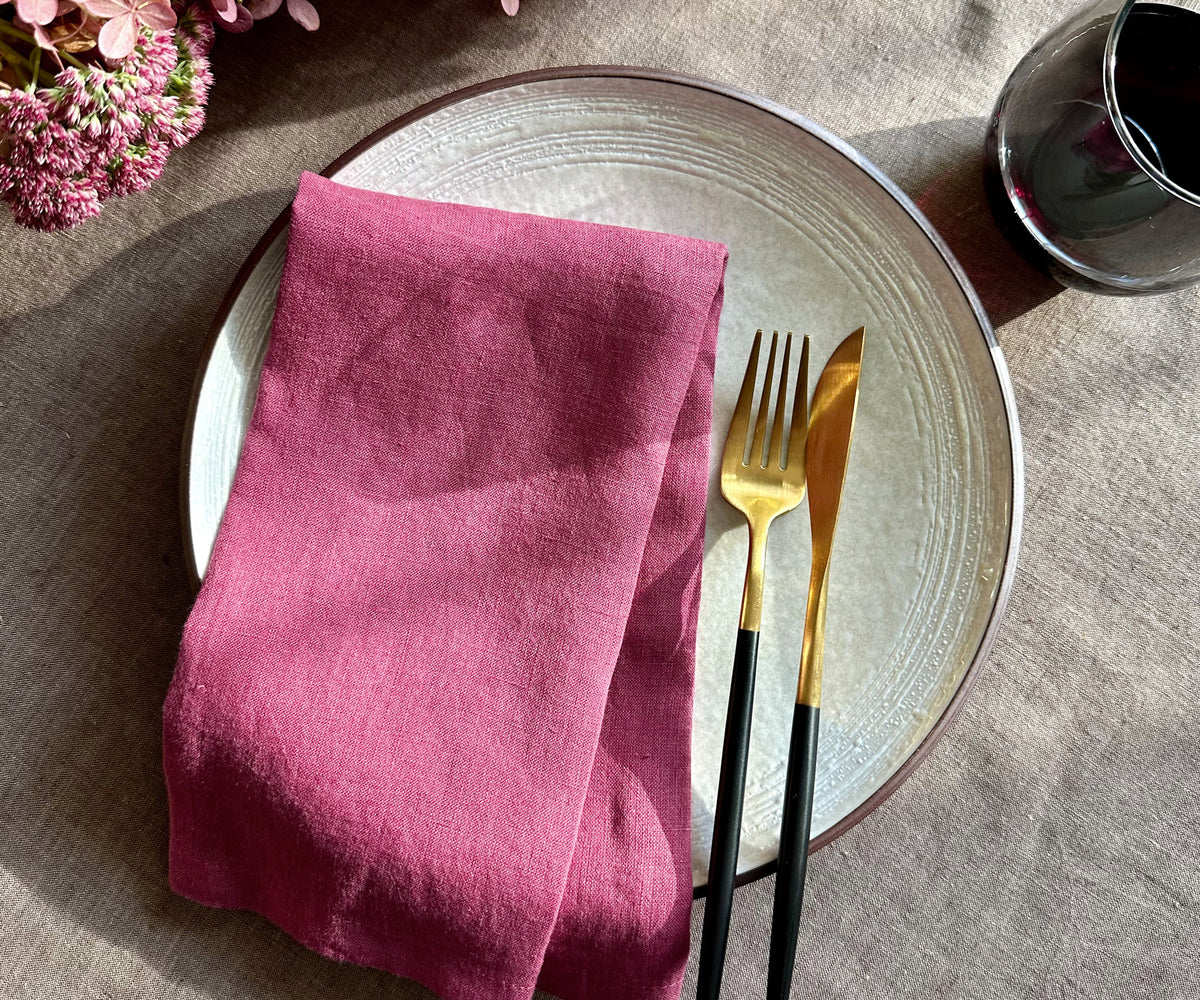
(999, 367)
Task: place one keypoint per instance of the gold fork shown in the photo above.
(763, 486)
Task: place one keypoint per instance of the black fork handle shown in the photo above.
(727, 820)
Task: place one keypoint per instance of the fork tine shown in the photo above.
(799, 410)
(758, 447)
(739, 426)
(774, 456)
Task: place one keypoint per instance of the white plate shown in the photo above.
(820, 243)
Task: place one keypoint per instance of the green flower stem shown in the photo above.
(16, 61)
(24, 36)
(39, 75)
(7, 28)
(77, 63)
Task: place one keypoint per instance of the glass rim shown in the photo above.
(1114, 106)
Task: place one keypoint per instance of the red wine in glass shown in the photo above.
(1063, 181)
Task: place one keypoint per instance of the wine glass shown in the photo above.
(1092, 159)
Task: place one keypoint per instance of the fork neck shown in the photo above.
(752, 591)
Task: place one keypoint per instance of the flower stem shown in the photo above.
(37, 73)
(24, 36)
(14, 32)
(16, 61)
(77, 63)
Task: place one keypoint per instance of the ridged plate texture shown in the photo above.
(817, 246)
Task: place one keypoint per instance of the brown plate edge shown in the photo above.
(970, 676)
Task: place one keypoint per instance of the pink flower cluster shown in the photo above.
(101, 132)
(94, 94)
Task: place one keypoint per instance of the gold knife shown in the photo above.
(829, 431)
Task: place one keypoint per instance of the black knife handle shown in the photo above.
(727, 820)
(793, 850)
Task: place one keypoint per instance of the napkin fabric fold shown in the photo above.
(432, 707)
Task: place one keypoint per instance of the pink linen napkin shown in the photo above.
(432, 708)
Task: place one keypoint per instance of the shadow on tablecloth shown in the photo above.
(939, 165)
(358, 59)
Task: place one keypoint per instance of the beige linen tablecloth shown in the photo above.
(1048, 848)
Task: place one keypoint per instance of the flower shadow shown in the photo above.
(359, 58)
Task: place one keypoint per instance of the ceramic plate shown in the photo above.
(820, 243)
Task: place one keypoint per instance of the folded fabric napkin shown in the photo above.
(432, 708)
